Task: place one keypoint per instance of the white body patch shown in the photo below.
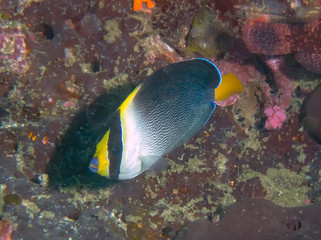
(131, 137)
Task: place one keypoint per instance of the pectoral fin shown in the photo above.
(154, 164)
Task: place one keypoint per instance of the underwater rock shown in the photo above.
(173, 19)
(277, 104)
(208, 35)
(5, 230)
(310, 61)
(13, 50)
(43, 32)
(52, 113)
(261, 36)
(13, 199)
(311, 114)
(258, 219)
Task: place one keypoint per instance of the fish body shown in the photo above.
(161, 114)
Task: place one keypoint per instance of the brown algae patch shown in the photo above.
(197, 165)
(284, 187)
(47, 214)
(220, 163)
(175, 166)
(227, 199)
(117, 81)
(113, 31)
(180, 212)
(2, 188)
(252, 142)
(31, 208)
(301, 156)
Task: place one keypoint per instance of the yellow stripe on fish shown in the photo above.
(99, 162)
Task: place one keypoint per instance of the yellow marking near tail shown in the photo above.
(102, 155)
(229, 86)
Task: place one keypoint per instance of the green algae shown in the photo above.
(301, 155)
(220, 163)
(113, 31)
(31, 208)
(208, 35)
(196, 165)
(283, 187)
(13, 199)
(2, 188)
(115, 82)
(47, 214)
(178, 212)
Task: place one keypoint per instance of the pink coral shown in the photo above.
(280, 102)
(285, 84)
(275, 117)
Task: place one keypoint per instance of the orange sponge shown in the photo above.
(138, 5)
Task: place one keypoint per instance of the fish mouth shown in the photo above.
(93, 165)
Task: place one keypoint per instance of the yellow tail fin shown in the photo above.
(229, 86)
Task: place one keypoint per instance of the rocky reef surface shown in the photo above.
(66, 65)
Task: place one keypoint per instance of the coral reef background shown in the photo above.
(66, 65)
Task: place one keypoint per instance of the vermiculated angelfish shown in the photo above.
(161, 114)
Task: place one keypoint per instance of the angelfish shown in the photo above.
(161, 114)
